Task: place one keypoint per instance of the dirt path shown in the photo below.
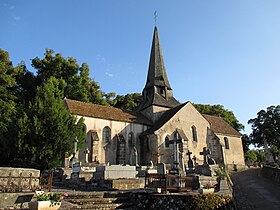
(251, 191)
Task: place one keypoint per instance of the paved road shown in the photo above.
(251, 191)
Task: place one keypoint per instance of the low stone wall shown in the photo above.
(271, 173)
(15, 200)
(18, 179)
(128, 184)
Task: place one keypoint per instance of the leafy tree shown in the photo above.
(275, 151)
(8, 105)
(251, 156)
(128, 101)
(266, 126)
(79, 86)
(47, 130)
(245, 142)
(260, 155)
(219, 110)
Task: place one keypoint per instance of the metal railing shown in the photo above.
(169, 182)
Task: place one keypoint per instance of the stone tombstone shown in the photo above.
(115, 172)
(86, 155)
(75, 176)
(161, 168)
(76, 167)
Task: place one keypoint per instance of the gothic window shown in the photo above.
(121, 149)
(166, 141)
(106, 135)
(131, 142)
(194, 133)
(226, 143)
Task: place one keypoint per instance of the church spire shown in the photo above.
(157, 90)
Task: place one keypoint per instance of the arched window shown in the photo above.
(194, 133)
(106, 135)
(131, 142)
(226, 143)
(166, 141)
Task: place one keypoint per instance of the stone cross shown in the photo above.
(86, 155)
(205, 152)
(190, 162)
(175, 150)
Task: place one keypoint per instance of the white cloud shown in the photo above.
(100, 59)
(109, 74)
(17, 18)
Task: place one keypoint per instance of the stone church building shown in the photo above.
(116, 136)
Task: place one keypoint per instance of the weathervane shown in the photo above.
(155, 17)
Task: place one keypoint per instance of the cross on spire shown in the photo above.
(155, 17)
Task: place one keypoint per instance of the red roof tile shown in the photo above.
(104, 112)
(218, 125)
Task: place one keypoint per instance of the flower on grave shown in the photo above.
(208, 185)
(55, 198)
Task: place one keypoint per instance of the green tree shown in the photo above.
(266, 126)
(220, 111)
(79, 85)
(128, 101)
(8, 105)
(245, 142)
(251, 156)
(47, 130)
(275, 151)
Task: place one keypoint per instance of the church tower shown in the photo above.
(157, 93)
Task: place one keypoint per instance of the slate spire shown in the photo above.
(157, 90)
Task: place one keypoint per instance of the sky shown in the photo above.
(215, 52)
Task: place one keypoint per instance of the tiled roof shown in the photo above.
(218, 125)
(104, 112)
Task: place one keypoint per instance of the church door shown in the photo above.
(121, 150)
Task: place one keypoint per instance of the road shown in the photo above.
(251, 191)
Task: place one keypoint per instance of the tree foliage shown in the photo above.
(266, 126)
(128, 101)
(79, 86)
(220, 111)
(48, 129)
(251, 156)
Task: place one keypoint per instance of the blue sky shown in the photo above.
(215, 52)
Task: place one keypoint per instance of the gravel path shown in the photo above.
(251, 191)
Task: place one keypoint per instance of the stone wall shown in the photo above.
(19, 178)
(15, 200)
(271, 173)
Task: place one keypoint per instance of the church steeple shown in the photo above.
(157, 90)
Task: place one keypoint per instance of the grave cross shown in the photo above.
(190, 162)
(175, 141)
(205, 152)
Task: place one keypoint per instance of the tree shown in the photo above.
(220, 111)
(266, 126)
(245, 142)
(79, 86)
(251, 156)
(128, 101)
(8, 105)
(47, 130)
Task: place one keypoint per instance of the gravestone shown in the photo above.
(205, 168)
(161, 168)
(76, 168)
(190, 168)
(115, 172)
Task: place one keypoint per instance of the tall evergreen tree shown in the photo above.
(47, 130)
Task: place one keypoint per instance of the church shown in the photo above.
(159, 126)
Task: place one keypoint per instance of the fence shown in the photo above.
(168, 182)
